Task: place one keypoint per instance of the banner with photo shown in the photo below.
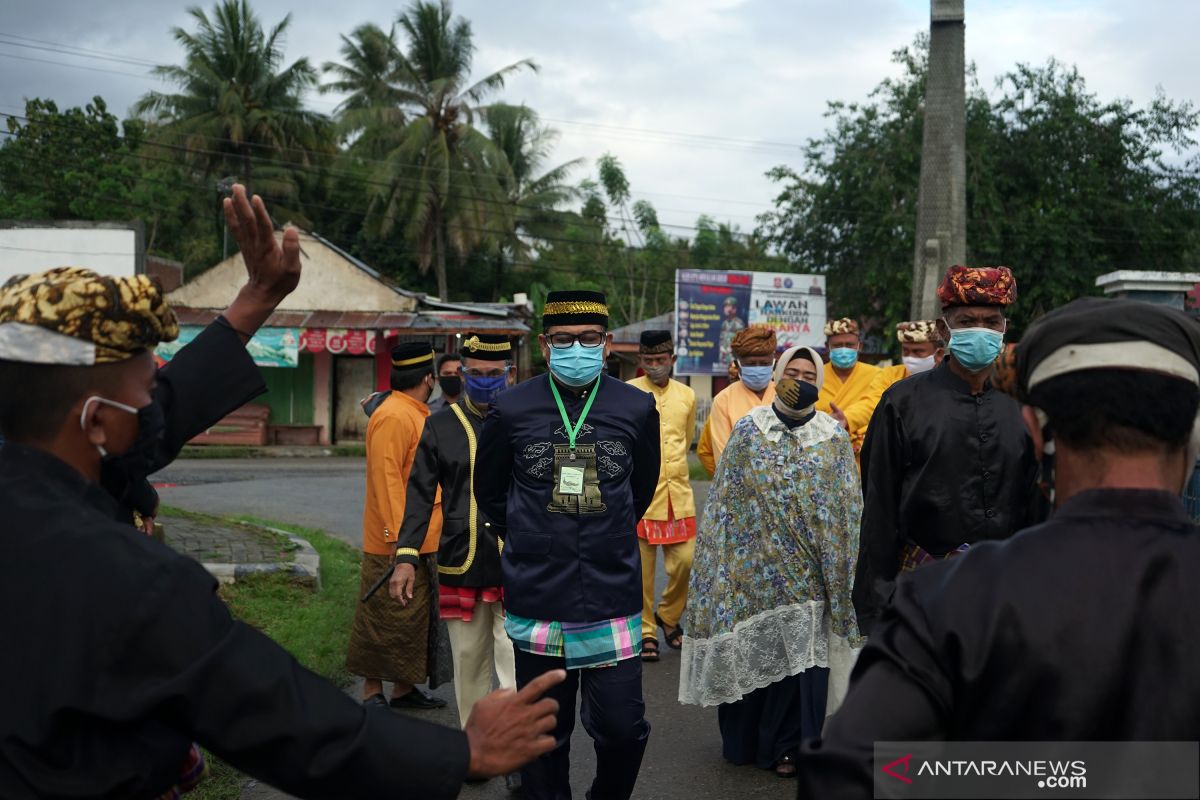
(711, 306)
(270, 347)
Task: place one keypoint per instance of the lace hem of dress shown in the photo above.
(761, 650)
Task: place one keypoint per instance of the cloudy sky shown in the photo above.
(698, 98)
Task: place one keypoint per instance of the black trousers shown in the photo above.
(769, 723)
(613, 714)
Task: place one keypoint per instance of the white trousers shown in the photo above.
(479, 646)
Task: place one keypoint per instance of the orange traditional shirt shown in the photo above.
(392, 437)
(731, 404)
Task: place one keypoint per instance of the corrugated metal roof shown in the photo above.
(365, 320)
(632, 333)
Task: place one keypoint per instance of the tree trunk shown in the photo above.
(439, 244)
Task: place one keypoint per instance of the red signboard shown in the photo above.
(312, 340)
(356, 342)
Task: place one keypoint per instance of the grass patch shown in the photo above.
(696, 471)
(314, 626)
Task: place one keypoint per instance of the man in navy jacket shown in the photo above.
(567, 464)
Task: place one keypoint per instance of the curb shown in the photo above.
(305, 564)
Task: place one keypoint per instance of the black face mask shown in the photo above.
(451, 385)
(120, 474)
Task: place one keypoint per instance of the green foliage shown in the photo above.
(1061, 186)
(237, 112)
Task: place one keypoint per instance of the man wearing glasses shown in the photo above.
(947, 461)
(568, 463)
(468, 558)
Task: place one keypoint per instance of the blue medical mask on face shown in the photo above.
(577, 365)
(757, 378)
(975, 348)
(843, 357)
(483, 391)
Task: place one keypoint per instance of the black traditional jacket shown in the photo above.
(469, 552)
(1081, 629)
(941, 467)
(569, 557)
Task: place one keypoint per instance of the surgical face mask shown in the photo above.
(975, 348)
(451, 385)
(658, 374)
(795, 398)
(483, 391)
(916, 365)
(118, 471)
(577, 365)
(756, 378)
(843, 357)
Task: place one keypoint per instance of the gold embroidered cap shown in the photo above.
(487, 347)
(71, 316)
(574, 308)
(836, 327)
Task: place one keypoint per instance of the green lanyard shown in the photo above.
(573, 432)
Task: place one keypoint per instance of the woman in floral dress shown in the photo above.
(769, 608)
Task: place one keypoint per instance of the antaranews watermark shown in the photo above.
(967, 770)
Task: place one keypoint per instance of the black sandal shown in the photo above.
(786, 767)
(674, 635)
(376, 699)
(650, 649)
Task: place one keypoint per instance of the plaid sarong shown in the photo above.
(582, 644)
(913, 556)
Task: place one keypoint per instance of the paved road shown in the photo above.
(683, 759)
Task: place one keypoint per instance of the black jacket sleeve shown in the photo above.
(185, 662)
(898, 692)
(879, 545)
(493, 467)
(647, 460)
(419, 497)
(206, 380)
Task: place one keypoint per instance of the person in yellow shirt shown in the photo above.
(754, 349)
(920, 351)
(389, 641)
(670, 522)
(846, 378)
(704, 449)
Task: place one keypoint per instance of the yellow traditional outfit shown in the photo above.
(844, 393)
(670, 522)
(737, 400)
(389, 641)
(859, 413)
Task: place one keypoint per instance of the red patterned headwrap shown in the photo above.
(977, 286)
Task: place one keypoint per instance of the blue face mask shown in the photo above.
(843, 357)
(577, 365)
(483, 391)
(757, 378)
(975, 348)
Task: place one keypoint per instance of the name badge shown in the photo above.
(570, 480)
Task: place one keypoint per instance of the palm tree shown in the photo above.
(441, 177)
(534, 198)
(235, 108)
(372, 109)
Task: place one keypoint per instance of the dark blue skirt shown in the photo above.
(768, 724)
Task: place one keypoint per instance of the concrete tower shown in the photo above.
(941, 239)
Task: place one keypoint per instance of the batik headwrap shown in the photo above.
(917, 331)
(73, 316)
(977, 286)
(756, 340)
(837, 327)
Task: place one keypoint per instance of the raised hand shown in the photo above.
(272, 267)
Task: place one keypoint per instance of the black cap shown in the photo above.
(412, 355)
(487, 347)
(653, 342)
(1097, 333)
(575, 308)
